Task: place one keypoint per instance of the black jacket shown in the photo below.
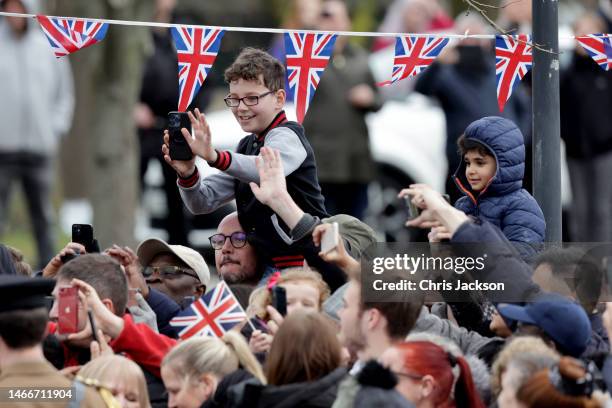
(220, 399)
(316, 394)
(586, 103)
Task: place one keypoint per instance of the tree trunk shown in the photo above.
(108, 78)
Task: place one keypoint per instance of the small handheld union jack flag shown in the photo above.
(413, 55)
(307, 56)
(212, 315)
(599, 47)
(67, 35)
(196, 49)
(513, 59)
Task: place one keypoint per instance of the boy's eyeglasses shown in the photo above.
(237, 239)
(168, 272)
(250, 100)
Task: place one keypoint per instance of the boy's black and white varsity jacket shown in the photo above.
(204, 195)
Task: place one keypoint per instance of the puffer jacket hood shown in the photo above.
(503, 202)
(505, 142)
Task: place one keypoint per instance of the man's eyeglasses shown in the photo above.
(250, 100)
(238, 239)
(168, 272)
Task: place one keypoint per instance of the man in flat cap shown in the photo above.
(175, 270)
(26, 378)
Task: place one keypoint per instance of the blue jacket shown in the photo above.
(504, 202)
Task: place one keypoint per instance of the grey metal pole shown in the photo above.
(546, 126)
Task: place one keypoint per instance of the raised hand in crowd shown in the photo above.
(436, 211)
(276, 319)
(338, 256)
(439, 234)
(109, 323)
(201, 141)
(272, 188)
(272, 183)
(133, 270)
(72, 248)
(142, 312)
(100, 347)
(260, 342)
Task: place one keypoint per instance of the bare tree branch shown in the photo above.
(480, 8)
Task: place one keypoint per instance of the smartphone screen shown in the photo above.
(82, 234)
(330, 238)
(68, 310)
(179, 149)
(413, 210)
(279, 299)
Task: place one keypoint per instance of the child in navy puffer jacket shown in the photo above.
(491, 177)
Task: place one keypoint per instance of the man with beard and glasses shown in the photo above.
(235, 257)
(463, 81)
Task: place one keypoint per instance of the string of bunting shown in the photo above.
(308, 52)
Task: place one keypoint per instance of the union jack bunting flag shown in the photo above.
(599, 47)
(197, 49)
(307, 56)
(513, 60)
(212, 315)
(67, 35)
(413, 55)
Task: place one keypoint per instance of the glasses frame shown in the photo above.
(228, 99)
(415, 377)
(178, 270)
(225, 237)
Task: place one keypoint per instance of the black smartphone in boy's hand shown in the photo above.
(83, 234)
(179, 149)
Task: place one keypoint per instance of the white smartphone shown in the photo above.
(330, 238)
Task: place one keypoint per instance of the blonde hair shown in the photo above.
(261, 297)
(516, 346)
(116, 369)
(220, 356)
